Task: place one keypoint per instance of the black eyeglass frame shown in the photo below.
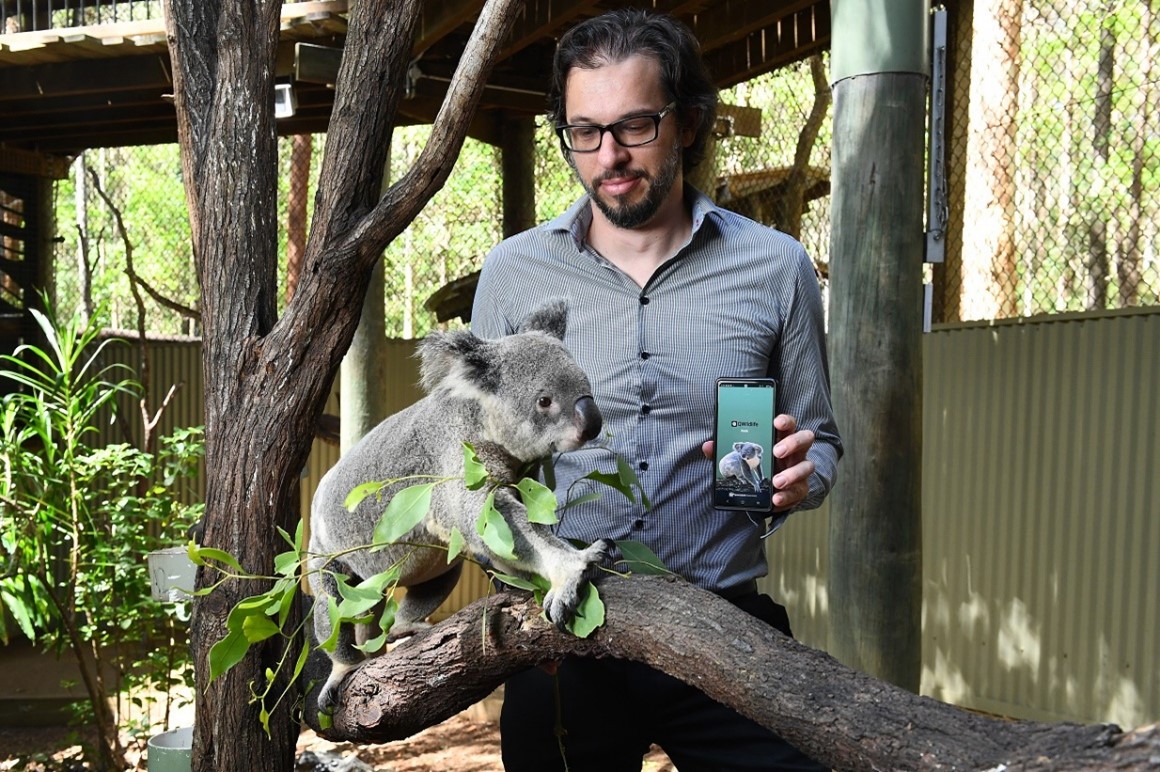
(611, 128)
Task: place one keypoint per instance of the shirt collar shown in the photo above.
(577, 218)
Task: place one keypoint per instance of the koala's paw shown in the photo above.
(328, 695)
(562, 600)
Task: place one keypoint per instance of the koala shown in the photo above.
(744, 463)
(517, 400)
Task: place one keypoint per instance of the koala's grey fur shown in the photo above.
(516, 399)
(744, 463)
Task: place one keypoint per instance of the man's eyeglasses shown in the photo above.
(630, 132)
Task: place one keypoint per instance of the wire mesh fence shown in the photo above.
(1054, 160)
(1053, 181)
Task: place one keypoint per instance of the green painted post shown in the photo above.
(879, 68)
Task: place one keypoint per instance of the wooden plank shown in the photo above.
(790, 39)
(440, 18)
(540, 19)
(84, 77)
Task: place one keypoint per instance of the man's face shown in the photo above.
(628, 185)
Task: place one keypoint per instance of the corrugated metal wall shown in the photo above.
(1041, 524)
(1040, 515)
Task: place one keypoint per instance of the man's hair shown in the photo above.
(617, 35)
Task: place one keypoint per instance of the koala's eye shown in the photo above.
(544, 403)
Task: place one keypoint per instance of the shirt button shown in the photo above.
(637, 524)
(644, 300)
(645, 355)
(645, 409)
(643, 465)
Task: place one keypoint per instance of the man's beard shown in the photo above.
(625, 215)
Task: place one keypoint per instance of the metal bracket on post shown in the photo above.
(937, 209)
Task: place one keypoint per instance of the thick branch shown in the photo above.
(841, 717)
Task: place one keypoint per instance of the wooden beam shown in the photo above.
(733, 20)
(84, 77)
(791, 39)
(543, 19)
(442, 17)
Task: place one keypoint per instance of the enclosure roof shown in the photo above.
(64, 90)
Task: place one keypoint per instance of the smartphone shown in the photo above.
(743, 468)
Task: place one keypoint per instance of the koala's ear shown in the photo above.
(738, 446)
(458, 360)
(551, 317)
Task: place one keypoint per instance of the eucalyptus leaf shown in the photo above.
(226, 653)
(407, 509)
(360, 492)
(474, 472)
(589, 614)
(455, 544)
(258, 627)
(640, 559)
(539, 501)
(496, 533)
(202, 555)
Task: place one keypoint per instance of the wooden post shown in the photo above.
(876, 252)
(519, 174)
(362, 400)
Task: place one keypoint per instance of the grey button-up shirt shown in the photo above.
(739, 299)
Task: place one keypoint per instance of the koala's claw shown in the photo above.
(562, 600)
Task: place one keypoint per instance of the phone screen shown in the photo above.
(745, 437)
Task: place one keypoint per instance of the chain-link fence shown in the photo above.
(1053, 181)
(1053, 169)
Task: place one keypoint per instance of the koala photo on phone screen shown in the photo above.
(744, 463)
(516, 399)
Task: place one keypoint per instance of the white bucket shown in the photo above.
(171, 751)
(171, 574)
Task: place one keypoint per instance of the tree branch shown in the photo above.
(842, 718)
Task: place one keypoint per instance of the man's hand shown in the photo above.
(792, 470)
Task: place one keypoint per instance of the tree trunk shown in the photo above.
(267, 378)
(838, 716)
(790, 206)
(989, 265)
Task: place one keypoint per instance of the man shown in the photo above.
(666, 293)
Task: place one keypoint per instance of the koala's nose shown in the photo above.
(588, 418)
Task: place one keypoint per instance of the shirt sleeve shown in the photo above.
(802, 369)
(488, 319)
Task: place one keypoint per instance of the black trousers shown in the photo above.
(611, 711)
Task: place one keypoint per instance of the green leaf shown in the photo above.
(286, 563)
(474, 472)
(367, 594)
(202, 555)
(640, 559)
(258, 627)
(581, 500)
(360, 492)
(407, 509)
(226, 653)
(589, 614)
(455, 544)
(517, 582)
(303, 656)
(372, 645)
(539, 500)
(629, 480)
(496, 533)
(335, 618)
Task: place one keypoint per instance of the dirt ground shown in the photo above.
(460, 744)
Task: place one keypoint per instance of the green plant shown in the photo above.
(77, 518)
(258, 617)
